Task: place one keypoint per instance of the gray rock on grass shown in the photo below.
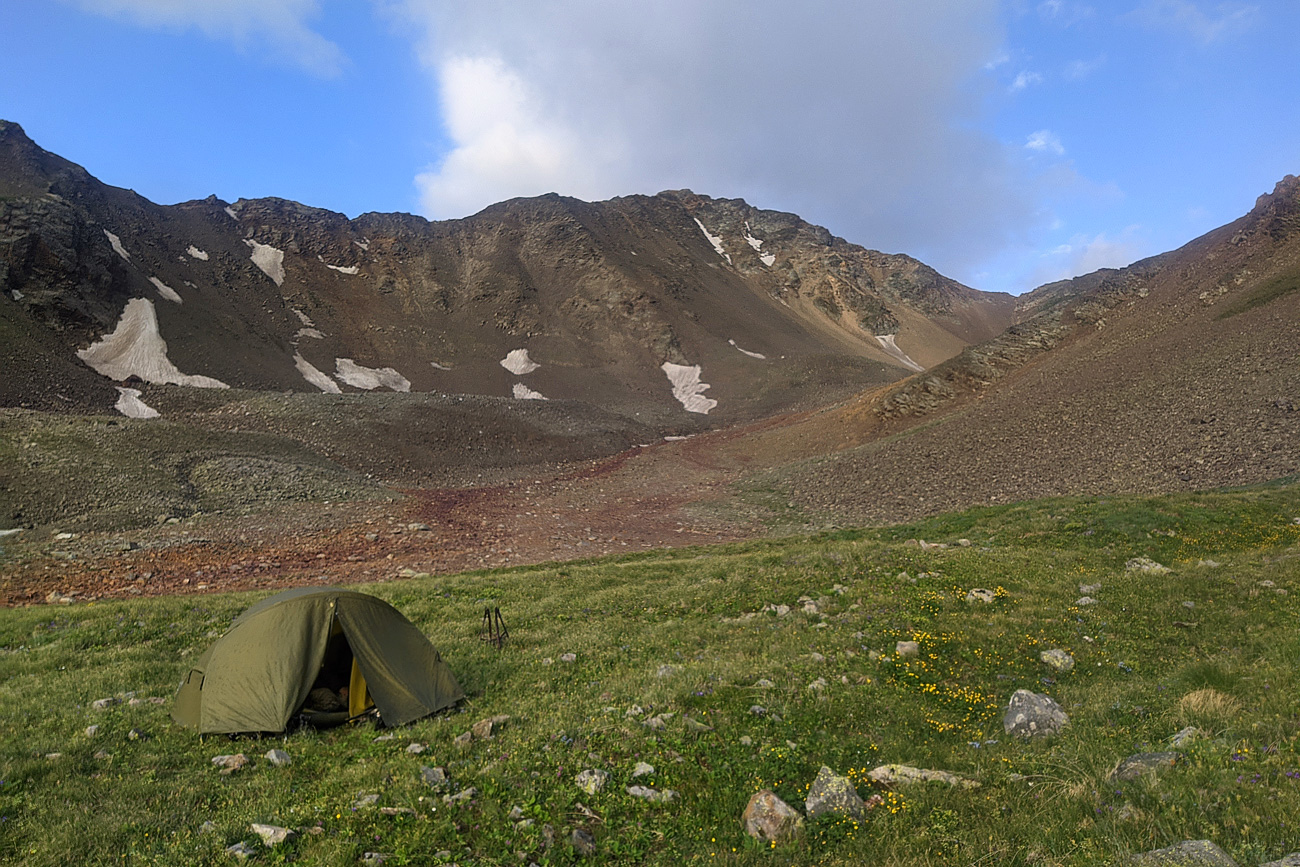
(1141, 764)
(1057, 660)
(583, 843)
(770, 819)
(279, 758)
(659, 796)
(1186, 736)
(434, 778)
(1292, 860)
(907, 649)
(903, 774)
(832, 793)
(981, 594)
(591, 781)
(272, 835)
(1189, 853)
(1032, 714)
(241, 850)
(1146, 566)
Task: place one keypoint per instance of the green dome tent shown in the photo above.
(284, 648)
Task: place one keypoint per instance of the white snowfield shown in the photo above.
(344, 269)
(269, 259)
(715, 240)
(302, 317)
(687, 387)
(315, 377)
(135, 348)
(231, 210)
(117, 245)
(364, 245)
(440, 366)
(130, 405)
(747, 352)
(196, 253)
(767, 259)
(887, 343)
(309, 332)
(348, 371)
(164, 290)
(518, 362)
(523, 392)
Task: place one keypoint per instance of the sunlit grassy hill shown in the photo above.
(682, 638)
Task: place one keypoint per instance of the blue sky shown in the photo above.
(1005, 143)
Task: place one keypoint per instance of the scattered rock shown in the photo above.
(463, 740)
(482, 729)
(105, 703)
(907, 649)
(272, 835)
(1208, 564)
(435, 778)
(818, 685)
(642, 769)
(461, 796)
(208, 827)
(816, 657)
(1142, 763)
(1186, 736)
(1085, 600)
(591, 781)
(1032, 714)
(768, 818)
(230, 764)
(373, 859)
(91, 731)
(397, 811)
(137, 735)
(757, 710)
(366, 800)
(1147, 566)
(416, 748)
(383, 738)
(1089, 589)
(764, 683)
(654, 795)
(583, 843)
(279, 758)
(1057, 660)
(1189, 853)
(831, 793)
(694, 725)
(980, 594)
(904, 774)
(568, 657)
(241, 850)
(657, 722)
(1292, 860)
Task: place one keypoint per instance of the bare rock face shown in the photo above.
(1032, 714)
(768, 818)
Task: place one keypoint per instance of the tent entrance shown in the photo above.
(339, 692)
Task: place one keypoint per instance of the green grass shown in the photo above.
(671, 631)
(1269, 290)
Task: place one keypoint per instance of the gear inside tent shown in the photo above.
(326, 655)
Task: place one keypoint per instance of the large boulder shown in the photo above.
(768, 818)
(831, 793)
(1032, 714)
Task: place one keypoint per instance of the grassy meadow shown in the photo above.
(683, 634)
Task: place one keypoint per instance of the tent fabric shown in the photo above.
(256, 676)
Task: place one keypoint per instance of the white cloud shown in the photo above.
(1187, 17)
(862, 117)
(1084, 254)
(1024, 80)
(1045, 141)
(278, 27)
(1078, 70)
(1063, 13)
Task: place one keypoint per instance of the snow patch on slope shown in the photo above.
(523, 392)
(747, 352)
(440, 366)
(164, 290)
(687, 387)
(887, 343)
(344, 269)
(130, 405)
(518, 362)
(231, 211)
(117, 245)
(196, 252)
(715, 240)
(315, 377)
(308, 332)
(767, 259)
(269, 259)
(364, 245)
(135, 348)
(369, 378)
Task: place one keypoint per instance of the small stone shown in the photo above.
(482, 729)
(433, 777)
(1057, 660)
(1032, 714)
(768, 818)
(1089, 589)
(1189, 605)
(1292, 860)
(1085, 600)
(652, 795)
(91, 731)
(103, 754)
(546, 660)
(764, 683)
(1146, 565)
(816, 657)
(568, 657)
(137, 735)
(904, 774)
(746, 741)
(583, 843)
(279, 758)
(1189, 853)
(104, 703)
(463, 740)
(659, 721)
(591, 781)
(642, 769)
(1186, 736)
(831, 793)
(208, 827)
(272, 835)
(694, 725)
(757, 710)
(415, 748)
(382, 738)
(818, 685)
(907, 649)
(241, 850)
(230, 764)
(873, 655)
(461, 796)
(397, 811)
(373, 859)
(53, 756)
(1140, 764)
(367, 800)
(1208, 564)
(981, 594)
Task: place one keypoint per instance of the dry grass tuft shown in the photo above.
(1208, 707)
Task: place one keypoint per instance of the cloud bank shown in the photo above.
(857, 116)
